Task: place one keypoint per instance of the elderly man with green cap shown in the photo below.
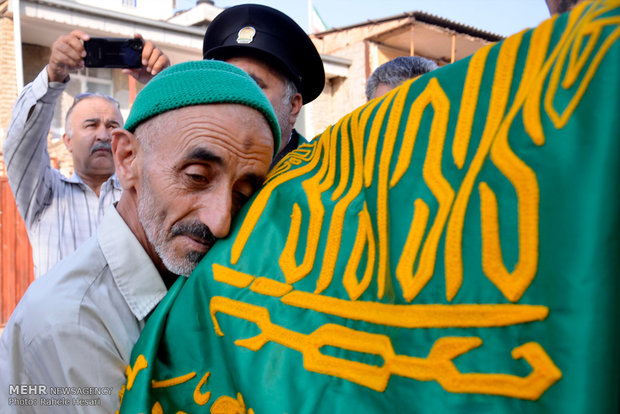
(196, 146)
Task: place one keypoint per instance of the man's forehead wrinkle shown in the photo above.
(99, 120)
(215, 150)
(247, 144)
(203, 154)
(222, 138)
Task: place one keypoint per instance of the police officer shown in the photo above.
(276, 53)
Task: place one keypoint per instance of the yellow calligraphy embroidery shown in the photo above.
(410, 282)
(438, 366)
(497, 107)
(229, 405)
(468, 105)
(172, 381)
(132, 372)
(365, 237)
(412, 316)
(592, 30)
(157, 408)
(201, 398)
(341, 166)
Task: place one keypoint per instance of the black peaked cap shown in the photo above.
(269, 35)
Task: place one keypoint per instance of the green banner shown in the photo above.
(450, 247)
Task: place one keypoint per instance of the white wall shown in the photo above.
(150, 9)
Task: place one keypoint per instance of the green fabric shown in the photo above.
(196, 83)
(548, 287)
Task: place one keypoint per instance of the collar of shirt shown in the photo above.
(292, 144)
(76, 179)
(133, 271)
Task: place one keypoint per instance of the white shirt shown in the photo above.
(76, 325)
(60, 213)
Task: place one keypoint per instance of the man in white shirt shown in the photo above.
(62, 212)
(197, 145)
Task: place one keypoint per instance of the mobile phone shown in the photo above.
(111, 52)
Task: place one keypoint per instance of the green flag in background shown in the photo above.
(451, 247)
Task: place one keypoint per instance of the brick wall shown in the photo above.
(341, 95)
(16, 268)
(8, 91)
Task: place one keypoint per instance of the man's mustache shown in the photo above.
(197, 230)
(101, 145)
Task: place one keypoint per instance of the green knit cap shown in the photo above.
(200, 82)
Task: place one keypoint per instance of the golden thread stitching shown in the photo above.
(232, 277)
(539, 44)
(172, 381)
(531, 109)
(437, 366)
(333, 163)
(375, 129)
(313, 188)
(334, 235)
(501, 155)
(389, 140)
(594, 30)
(497, 107)
(132, 372)
(304, 152)
(344, 160)
(121, 394)
(270, 287)
(199, 397)
(558, 120)
(404, 269)
(228, 405)
(365, 236)
(292, 240)
(513, 284)
(469, 103)
(412, 284)
(419, 316)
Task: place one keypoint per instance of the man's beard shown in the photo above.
(162, 240)
(566, 5)
(283, 113)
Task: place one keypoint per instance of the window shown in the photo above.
(130, 3)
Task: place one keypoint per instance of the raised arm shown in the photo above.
(25, 149)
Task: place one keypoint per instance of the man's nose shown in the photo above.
(217, 212)
(104, 133)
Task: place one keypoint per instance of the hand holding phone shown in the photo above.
(153, 62)
(67, 56)
(111, 52)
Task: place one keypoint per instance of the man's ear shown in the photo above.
(296, 104)
(67, 140)
(125, 148)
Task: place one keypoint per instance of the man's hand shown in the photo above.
(67, 56)
(153, 62)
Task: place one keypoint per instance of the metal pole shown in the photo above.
(17, 42)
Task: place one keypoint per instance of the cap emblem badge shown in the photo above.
(246, 35)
